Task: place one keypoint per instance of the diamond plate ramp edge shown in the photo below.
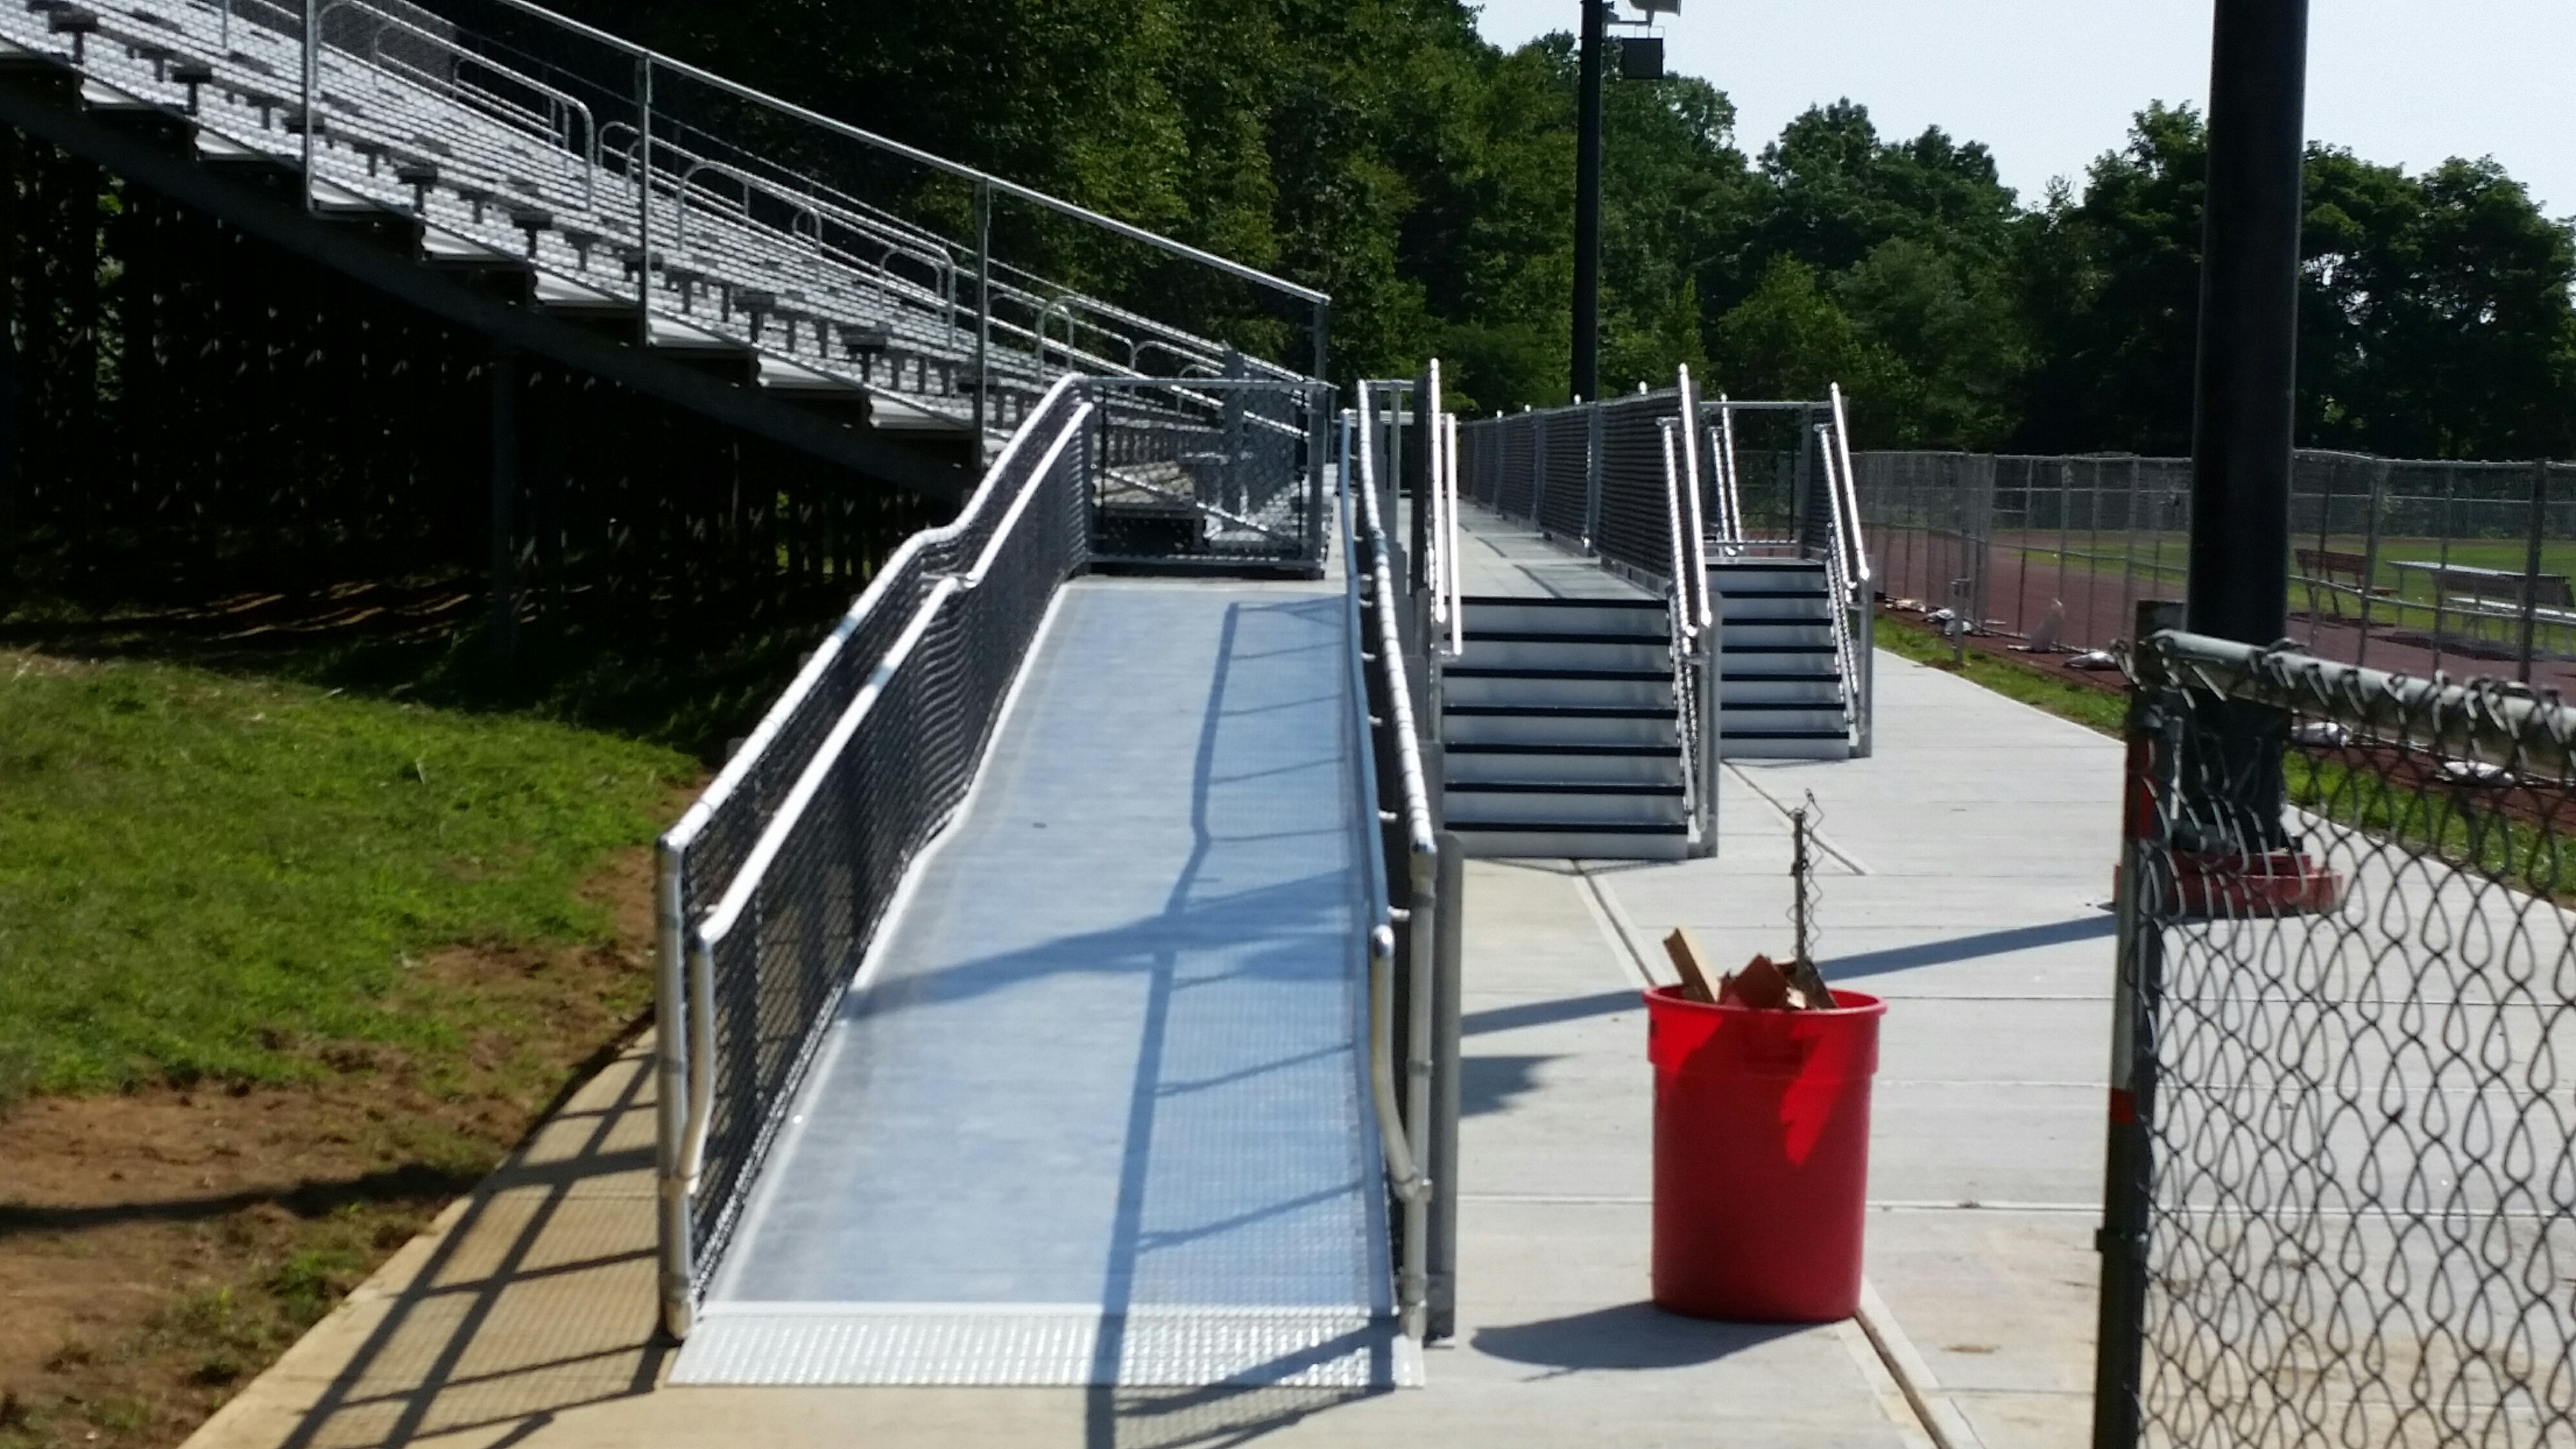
(1044, 1345)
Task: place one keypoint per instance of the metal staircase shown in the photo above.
(1562, 734)
(1793, 611)
(1781, 691)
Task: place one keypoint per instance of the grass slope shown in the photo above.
(204, 876)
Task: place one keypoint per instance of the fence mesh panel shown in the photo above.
(2406, 566)
(2349, 1195)
(1565, 494)
(1636, 526)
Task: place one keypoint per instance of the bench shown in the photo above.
(2337, 571)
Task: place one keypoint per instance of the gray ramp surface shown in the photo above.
(1095, 1111)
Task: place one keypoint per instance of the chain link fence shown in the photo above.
(2341, 1200)
(2405, 566)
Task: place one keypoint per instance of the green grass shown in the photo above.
(2039, 686)
(203, 876)
(2464, 829)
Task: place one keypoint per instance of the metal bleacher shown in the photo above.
(531, 179)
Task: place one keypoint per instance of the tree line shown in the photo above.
(1382, 150)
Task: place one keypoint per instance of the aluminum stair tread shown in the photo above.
(1549, 601)
(1559, 787)
(1570, 827)
(1513, 671)
(1621, 752)
(1562, 711)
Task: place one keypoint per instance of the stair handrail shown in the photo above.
(1695, 527)
(1457, 592)
(1403, 1150)
(1847, 497)
(1440, 529)
(1840, 586)
(1685, 624)
(1730, 493)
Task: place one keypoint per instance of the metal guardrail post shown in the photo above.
(1448, 939)
(2119, 1355)
(983, 310)
(504, 502)
(312, 84)
(644, 201)
(677, 1259)
(1712, 659)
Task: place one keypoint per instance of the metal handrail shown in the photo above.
(685, 949)
(1457, 593)
(920, 157)
(1730, 489)
(1839, 583)
(1847, 493)
(572, 103)
(1688, 623)
(1440, 496)
(1695, 525)
(1404, 1151)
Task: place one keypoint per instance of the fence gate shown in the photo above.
(2341, 1199)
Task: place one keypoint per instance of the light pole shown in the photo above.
(1597, 20)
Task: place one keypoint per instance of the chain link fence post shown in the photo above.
(2152, 735)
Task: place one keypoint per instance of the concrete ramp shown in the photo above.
(1095, 1111)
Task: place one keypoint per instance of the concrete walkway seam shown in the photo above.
(1616, 928)
(1893, 1399)
(1940, 1417)
(1824, 842)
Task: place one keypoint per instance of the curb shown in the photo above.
(1939, 1415)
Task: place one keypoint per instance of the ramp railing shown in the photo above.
(1413, 946)
(773, 882)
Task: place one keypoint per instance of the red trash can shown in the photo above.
(1761, 1156)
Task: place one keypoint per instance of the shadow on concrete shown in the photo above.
(1630, 1336)
(1968, 948)
(1488, 1084)
(1547, 1013)
(1173, 1418)
(537, 1300)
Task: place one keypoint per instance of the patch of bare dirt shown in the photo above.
(159, 1248)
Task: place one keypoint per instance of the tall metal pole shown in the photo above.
(2245, 404)
(1587, 204)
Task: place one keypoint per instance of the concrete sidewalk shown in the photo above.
(1967, 882)
(525, 1316)
(1970, 859)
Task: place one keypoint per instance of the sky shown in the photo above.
(2050, 84)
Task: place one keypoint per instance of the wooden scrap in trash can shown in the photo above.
(1692, 965)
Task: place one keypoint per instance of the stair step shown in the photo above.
(1552, 725)
(1457, 671)
(1562, 802)
(1507, 840)
(1628, 619)
(1572, 763)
